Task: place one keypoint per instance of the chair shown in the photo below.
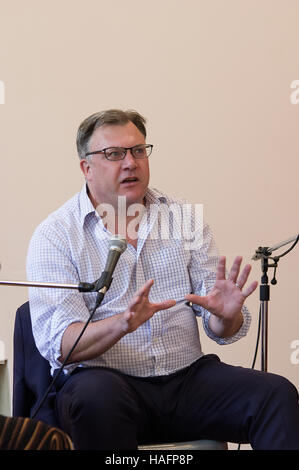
(31, 377)
(31, 372)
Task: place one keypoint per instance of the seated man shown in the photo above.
(138, 374)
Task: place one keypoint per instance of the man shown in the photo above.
(138, 374)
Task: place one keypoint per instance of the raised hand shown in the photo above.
(226, 298)
(141, 309)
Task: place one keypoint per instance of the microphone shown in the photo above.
(117, 246)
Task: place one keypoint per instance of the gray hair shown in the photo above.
(110, 117)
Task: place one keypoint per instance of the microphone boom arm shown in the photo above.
(82, 287)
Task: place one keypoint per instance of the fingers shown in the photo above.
(197, 299)
(142, 294)
(234, 276)
(163, 305)
(220, 274)
(250, 289)
(145, 289)
(234, 272)
(235, 269)
(192, 298)
(242, 279)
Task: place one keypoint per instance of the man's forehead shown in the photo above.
(116, 135)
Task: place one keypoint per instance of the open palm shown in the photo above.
(226, 298)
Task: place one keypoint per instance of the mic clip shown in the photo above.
(261, 252)
(101, 286)
(103, 283)
(86, 287)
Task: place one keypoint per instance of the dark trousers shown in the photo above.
(101, 408)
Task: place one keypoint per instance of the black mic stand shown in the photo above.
(100, 286)
(264, 254)
(81, 287)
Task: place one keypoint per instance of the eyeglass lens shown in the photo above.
(118, 153)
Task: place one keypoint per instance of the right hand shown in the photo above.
(141, 309)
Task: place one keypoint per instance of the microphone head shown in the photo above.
(118, 243)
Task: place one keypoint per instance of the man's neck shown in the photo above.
(120, 219)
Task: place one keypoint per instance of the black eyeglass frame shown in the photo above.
(125, 152)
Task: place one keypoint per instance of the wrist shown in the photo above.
(225, 327)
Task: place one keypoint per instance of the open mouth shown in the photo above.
(130, 180)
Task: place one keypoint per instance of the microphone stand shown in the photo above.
(82, 287)
(264, 254)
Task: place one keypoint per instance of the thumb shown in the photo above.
(164, 305)
(197, 299)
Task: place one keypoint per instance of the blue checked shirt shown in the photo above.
(71, 246)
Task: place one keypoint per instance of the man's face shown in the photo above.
(107, 179)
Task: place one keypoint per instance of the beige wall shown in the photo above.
(213, 78)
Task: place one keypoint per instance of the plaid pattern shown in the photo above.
(71, 245)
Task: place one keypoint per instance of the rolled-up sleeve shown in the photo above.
(52, 310)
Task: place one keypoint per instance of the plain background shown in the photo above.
(213, 79)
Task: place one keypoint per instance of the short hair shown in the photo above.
(110, 117)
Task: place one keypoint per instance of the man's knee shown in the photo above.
(92, 382)
(98, 391)
(97, 408)
(275, 392)
(284, 389)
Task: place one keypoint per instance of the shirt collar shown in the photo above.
(86, 206)
(152, 196)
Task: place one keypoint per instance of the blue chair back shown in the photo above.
(31, 372)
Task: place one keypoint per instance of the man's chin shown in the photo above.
(132, 196)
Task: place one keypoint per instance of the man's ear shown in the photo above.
(85, 166)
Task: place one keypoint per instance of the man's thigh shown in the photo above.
(99, 410)
(223, 402)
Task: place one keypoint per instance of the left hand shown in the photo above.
(226, 298)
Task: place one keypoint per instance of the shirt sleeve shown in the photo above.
(203, 264)
(52, 310)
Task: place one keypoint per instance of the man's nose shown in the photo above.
(129, 161)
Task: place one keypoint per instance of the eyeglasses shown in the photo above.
(118, 153)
